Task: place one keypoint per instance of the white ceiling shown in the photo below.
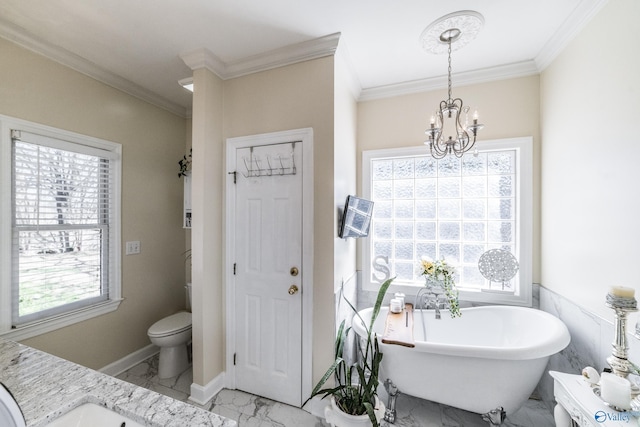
(136, 45)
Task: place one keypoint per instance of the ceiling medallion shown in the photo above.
(468, 22)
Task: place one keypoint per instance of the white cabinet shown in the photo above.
(583, 406)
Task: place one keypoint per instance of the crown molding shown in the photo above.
(203, 58)
(485, 75)
(287, 55)
(580, 17)
(304, 51)
(62, 56)
(200, 58)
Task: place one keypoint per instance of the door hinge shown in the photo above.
(234, 359)
(234, 175)
(234, 268)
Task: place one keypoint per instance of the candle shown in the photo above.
(395, 305)
(622, 292)
(615, 390)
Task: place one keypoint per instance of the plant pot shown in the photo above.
(337, 418)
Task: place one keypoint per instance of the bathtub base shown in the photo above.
(390, 411)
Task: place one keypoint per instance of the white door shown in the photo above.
(268, 272)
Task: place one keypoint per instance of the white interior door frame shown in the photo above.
(232, 144)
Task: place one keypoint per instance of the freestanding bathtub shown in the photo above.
(488, 358)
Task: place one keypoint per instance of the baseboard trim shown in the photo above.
(202, 394)
(130, 360)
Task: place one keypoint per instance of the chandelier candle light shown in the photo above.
(461, 27)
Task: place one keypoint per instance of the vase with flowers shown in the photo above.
(440, 274)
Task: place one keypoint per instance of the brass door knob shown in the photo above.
(293, 289)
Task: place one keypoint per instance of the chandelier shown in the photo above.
(450, 131)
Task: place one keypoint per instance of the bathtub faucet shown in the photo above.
(433, 303)
(431, 298)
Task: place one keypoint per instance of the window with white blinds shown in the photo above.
(64, 199)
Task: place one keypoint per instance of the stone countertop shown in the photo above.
(47, 387)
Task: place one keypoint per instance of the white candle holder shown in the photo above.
(618, 360)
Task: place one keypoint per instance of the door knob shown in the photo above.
(294, 271)
(293, 289)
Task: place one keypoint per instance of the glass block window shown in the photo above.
(453, 209)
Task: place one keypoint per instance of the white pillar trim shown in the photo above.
(203, 58)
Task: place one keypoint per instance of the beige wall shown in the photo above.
(508, 108)
(590, 108)
(294, 97)
(39, 90)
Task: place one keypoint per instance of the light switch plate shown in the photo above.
(133, 247)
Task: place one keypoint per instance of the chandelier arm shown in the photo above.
(458, 153)
(467, 146)
(463, 141)
(460, 130)
(435, 153)
(440, 120)
(438, 148)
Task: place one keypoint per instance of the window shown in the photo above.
(63, 225)
(455, 209)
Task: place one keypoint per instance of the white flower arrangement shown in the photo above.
(442, 272)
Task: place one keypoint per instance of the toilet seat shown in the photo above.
(171, 325)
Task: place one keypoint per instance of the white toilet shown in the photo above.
(172, 334)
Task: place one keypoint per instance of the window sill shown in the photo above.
(61, 321)
(482, 297)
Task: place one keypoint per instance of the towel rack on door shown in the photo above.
(277, 165)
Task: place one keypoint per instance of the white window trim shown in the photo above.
(115, 289)
(524, 207)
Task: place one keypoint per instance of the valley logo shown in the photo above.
(602, 416)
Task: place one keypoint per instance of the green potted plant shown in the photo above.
(185, 164)
(354, 398)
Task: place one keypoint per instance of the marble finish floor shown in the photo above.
(255, 411)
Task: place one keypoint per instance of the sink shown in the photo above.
(90, 414)
(10, 413)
